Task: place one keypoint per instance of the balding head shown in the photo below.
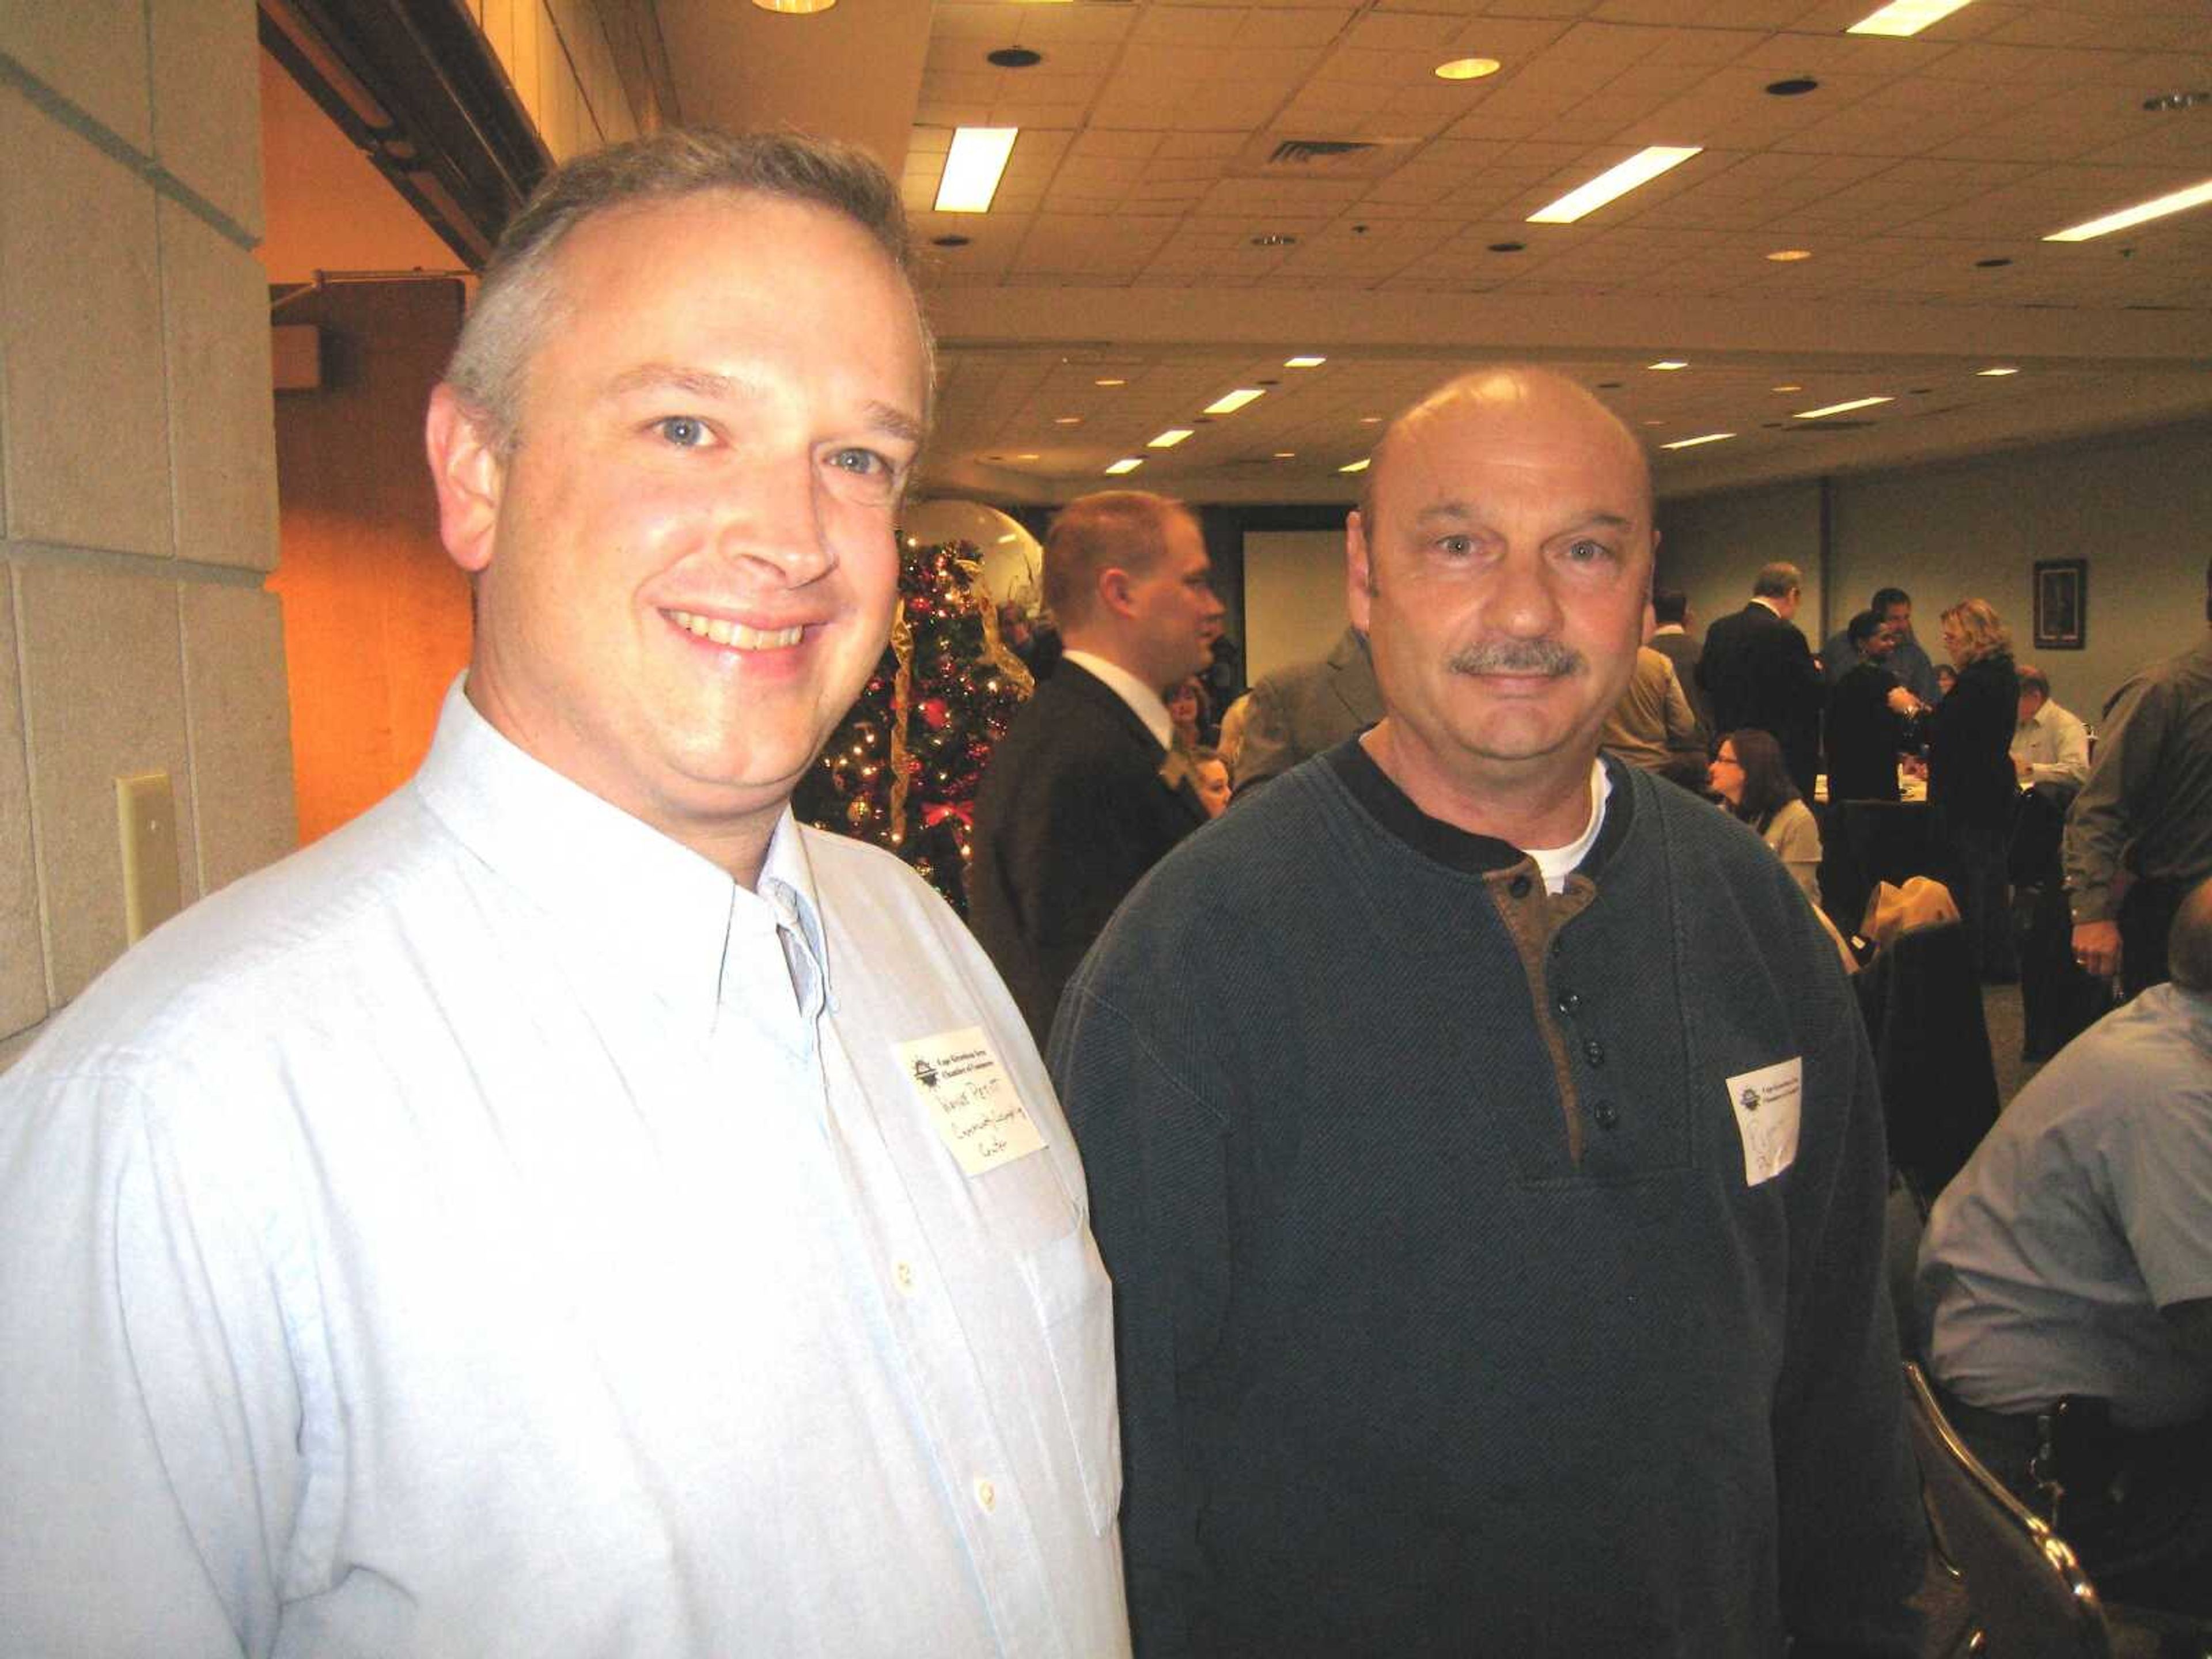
(2189, 947)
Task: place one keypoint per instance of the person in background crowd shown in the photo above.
(1672, 619)
(1485, 1145)
(2072, 1257)
(1869, 718)
(1211, 780)
(2146, 811)
(1087, 791)
(1971, 784)
(1300, 711)
(1231, 742)
(1907, 662)
(1746, 775)
(1946, 677)
(513, 1226)
(1651, 725)
(1187, 713)
(2050, 744)
(1758, 671)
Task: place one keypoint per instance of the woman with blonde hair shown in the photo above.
(1973, 788)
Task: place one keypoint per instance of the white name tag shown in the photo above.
(1767, 1103)
(970, 1099)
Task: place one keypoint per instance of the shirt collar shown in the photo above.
(1144, 703)
(650, 908)
(1668, 628)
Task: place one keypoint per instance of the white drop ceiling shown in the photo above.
(1141, 233)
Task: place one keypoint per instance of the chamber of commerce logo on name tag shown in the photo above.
(970, 1099)
(1767, 1104)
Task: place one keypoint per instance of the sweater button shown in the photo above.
(1606, 1114)
(1518, 886)
(1569, 1002)
(1594, 1052)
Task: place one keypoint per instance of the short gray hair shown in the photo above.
(520, 300)
(1778, 581)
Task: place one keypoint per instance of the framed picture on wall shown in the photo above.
(2062, 604)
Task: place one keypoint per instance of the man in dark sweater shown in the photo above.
(1484, 1145)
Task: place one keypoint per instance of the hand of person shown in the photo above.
(1902, 702)
(2022, 767)
(2097, 947)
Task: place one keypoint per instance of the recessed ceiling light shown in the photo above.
(1169, 439)
(1467, 69)
(951, 241)
(1110, 381)
(1014, 58)
(795, 7)
(1286, 454)
(2177, 100)
(1304, 362)
(1904, 17)
(1126, 463)
(1067, 420)
(1655, 421)
(1790, 255)
(1668, 363)
(1370, 420)
(1615, 181)
(1691, 443)
(1235, 400)
(1838, 408)
(1787, 385)
(2173, 202)
(1990, 264)
(1357, 467)
(972, 167)
(1029, 455)
(1272, 240)
(1795, 87)
(1996, 371)
(1507, 247)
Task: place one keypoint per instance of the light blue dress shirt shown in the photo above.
(493, 1232)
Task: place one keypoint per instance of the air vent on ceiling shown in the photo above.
(1275, 155)
(1317, 152)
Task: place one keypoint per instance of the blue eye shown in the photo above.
(684, 431)
(863, 461)
(1586, 552)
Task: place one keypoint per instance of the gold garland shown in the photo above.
(994, 649)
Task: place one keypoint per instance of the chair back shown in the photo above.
(2029, 1594)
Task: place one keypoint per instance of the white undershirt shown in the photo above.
(1557, 862)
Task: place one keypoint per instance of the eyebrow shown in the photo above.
(1463, 513)
(886, 418)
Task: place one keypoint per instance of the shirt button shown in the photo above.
(1606, 1114)
(904, 1274)
(1594, 1052)
(987, 1495)
(1518, 886)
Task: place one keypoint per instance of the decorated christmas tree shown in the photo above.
(903, 770)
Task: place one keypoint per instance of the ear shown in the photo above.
(1358, 572)
(1117, 590)
(469, 476)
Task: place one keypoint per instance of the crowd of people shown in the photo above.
(576, 1209)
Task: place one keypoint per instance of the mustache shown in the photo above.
(1546, 657)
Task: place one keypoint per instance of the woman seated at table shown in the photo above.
(1749, 777)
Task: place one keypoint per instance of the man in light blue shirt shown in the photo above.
(572, 1209)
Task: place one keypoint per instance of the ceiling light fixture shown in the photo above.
(1357, 467)
(1691, 443)
(1467, 69)
(1995, 371)
(1126, 463)
(1668, 363)
(1286, 454)
(2177, 100)
(1640, 169)
(1838, 408)
(1027, 455)
(1169, 439)
(972, 167)
(1067, 420)
(1235, 400)
(1787, 385)
(1304, 362)
(795, 7)
(2173, 202)
(1370, 420)
(1790, 255)
(1110, 381)
(1904, 17)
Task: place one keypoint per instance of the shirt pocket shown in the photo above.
(1074, 1301)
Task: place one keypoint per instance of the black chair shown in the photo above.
(1921, 998)
(2031, 1598)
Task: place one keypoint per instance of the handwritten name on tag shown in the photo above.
(970, 1099)
(1766, 1104)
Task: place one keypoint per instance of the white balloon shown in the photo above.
(1011, 558)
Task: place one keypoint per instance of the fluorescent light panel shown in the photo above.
(1640, 169)
(1236, 400)
(1838, 408)
(1304, 362)
(1668, 363)
(1691, 443)
(972, 167)
(1357, 467)
(1126, 463)
(1169, 439)
(1904, 17)
(1995, 372)
(2195, 196)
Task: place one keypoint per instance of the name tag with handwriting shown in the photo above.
(970, 1099)
(1767, 1103)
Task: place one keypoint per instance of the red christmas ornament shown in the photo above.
(934, 711)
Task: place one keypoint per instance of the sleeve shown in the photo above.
(1799, 845)
(1681, 723)
(1853, 1541)
(2161, 1186)
(1267, 749)
(1156, 1158)
(2072, 765)
(150, 1424)
(2104, 815)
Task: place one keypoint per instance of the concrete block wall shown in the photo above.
(138, 473)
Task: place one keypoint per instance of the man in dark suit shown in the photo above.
(1758, 671)
(1672, 638)
(1084, 793)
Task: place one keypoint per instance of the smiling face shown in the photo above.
(686, 567)
(1503, 583)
